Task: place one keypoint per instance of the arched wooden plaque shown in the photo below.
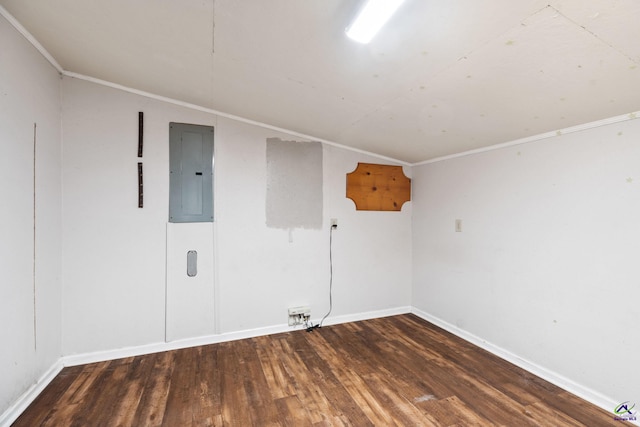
(378, 187)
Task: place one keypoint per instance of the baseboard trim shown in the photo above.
(366, 315)
(18, 407)
(101, 356)
(571, 386)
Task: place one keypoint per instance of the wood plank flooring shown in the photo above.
(397, 370)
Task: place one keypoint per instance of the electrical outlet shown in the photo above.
(334, 222)
(303, 309)
(458, 225)
(299, 315)
(299, 319)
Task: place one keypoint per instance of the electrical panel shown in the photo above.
(191, 173)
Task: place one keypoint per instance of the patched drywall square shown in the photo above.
(294, 184)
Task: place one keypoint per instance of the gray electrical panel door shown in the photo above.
(191, 173)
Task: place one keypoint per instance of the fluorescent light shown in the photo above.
(371, 18)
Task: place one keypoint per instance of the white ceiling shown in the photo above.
(442, 77)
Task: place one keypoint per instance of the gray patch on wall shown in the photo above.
(294, 184)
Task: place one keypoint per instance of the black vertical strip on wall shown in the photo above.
(140, 132)
(140, 139)
(140, 188)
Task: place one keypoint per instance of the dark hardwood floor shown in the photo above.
(397, 370)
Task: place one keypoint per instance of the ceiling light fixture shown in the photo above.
(371, 18)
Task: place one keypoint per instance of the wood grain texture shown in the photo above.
(398, 370)
(374, 187)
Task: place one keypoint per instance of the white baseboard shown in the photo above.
(18, 407)
(366, 315)
(571, 386)
(101, 356)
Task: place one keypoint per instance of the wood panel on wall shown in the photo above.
(374, 187)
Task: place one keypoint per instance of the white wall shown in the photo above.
(114, 254)
(546, 266)
(29, 93)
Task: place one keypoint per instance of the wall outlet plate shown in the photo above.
(299, 315)
(302, 310)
